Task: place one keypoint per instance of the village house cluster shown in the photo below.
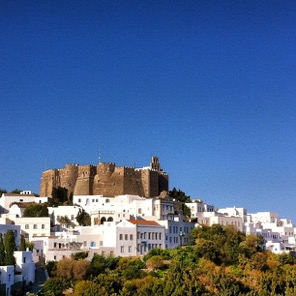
(122, 225)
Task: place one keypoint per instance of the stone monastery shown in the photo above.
(106, 179)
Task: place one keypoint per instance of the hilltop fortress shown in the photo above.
(106, 179)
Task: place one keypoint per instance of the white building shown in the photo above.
(7, 278)
(25, 265)
(7, 199)
(177, 231)
(211, 218)
(34, 226)
(198, 208)
(70, 212)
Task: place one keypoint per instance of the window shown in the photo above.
(85, 243)
(35, 226)
(129, 249)
(72, 217)
(42, 226)
(79, 199)
(131, 237)
(93, 244)
(126, 236)
(27, 226)
(120, 236)
(159, 235)
(122, 249)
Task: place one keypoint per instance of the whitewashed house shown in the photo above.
(34, 226)
(25, 266)
(7, 278)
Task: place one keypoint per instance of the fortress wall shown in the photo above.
(154, 189)
(49, 179)
(132, 182)
(108, 180)
(85, 180)
(105, 179)
(145, 180)
(68, 177)
(163, 182)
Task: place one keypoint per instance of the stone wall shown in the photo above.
(106, 179)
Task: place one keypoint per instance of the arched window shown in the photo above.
(103, 220)
(110, 219)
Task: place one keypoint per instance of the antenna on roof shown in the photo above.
(99, 154)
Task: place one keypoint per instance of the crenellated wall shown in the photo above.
(106, 179)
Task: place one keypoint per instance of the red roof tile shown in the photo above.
(144, 222)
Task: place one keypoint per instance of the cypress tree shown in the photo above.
(2, 252)
(23, 243)
(10, 247)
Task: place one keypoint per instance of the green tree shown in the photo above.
(155, 262)
(83, 218)
(51, 267)
(65, 221)
(102, 264)
(22, 243)
(30, 246)
(16, 191)
(10, 247)
(55, 286)
(2, 251)
(186, 210)
(36, 210)
(179, 195)
(130, 268)
(59, 196)
(79, 255)
(88, 288)
(110, 282)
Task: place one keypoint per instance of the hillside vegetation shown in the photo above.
(220, 261)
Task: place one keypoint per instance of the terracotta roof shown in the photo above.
(144, 222)
(23, 205)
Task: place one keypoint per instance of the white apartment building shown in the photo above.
(70, 212)
(34, 226)
(150, 235)
(279, 234)
(115, 208)
(198, 208)
(211, 218)
(177, 231)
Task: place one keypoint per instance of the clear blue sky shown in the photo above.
(208, 86)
